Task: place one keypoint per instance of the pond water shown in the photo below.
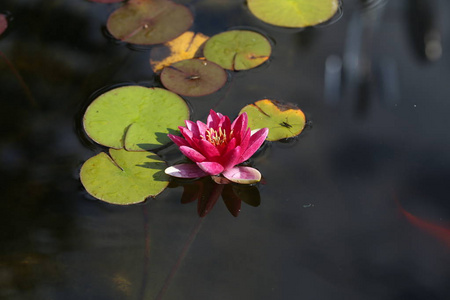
(355, 208)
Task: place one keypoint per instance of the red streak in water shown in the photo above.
(439, 231)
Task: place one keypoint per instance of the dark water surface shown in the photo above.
(356, 208)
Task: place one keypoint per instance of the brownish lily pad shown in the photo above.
(3, 23)
(149, 22)
(193, 77)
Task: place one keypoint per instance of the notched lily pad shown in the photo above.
(124, 177)
(134, 117)
(193, 77)
(3, 23)
(293, 13)
(183, 47)
(237, 49)
(283, 120)
(148, 22)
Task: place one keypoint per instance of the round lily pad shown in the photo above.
(293, 13)
(134, 117)
(183, 47)
(193, 77)
(237, 49)
(3, 23)
(148, 22)
(283, 120)
(124, 177)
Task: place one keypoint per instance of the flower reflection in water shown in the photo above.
(207, 192)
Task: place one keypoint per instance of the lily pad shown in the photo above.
(134, 117)
(183, 47)
(293, 13)
(3, 23)
(193, 77)
(237, 49)
(283, 120)
(124, 177)
(148, 22)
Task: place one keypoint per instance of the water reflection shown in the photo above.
(207, 191)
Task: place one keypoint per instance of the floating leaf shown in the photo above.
(3, 23)
(148, 22)
(183, 47)
(293, 13)
(283, 120)
(124, 177)
(193, 77)
(237, 49)
(135, 117)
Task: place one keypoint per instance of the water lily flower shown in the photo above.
(217, 148)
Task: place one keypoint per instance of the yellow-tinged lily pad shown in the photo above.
(283, 120)
(193, 77)
(183, 47)
(148, 22)
(124, 177)
(293, 13)
(134, 117)
(237, 49)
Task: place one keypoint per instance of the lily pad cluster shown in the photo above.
(130, 120)
(293, 13)
(134, 120)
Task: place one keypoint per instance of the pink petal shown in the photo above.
(256, 141)
(240, 124)
(213, 120)
(230, 146)
(191, 126)
(231, 158)
(178, 140)
(212, 168)
(207, 149)
(192, 154)
(244, 175)
(187, 134)
(201, 128)
(245, 139)
(185, 171)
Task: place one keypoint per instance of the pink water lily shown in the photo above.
(218, 147)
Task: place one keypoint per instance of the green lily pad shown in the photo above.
(148, 22)
(237, 49)
(193, 77)
(283, 120)
(3, 23)
(124, 177)
(134, 117)
(293, 13)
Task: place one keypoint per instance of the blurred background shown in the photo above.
(356, 207)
